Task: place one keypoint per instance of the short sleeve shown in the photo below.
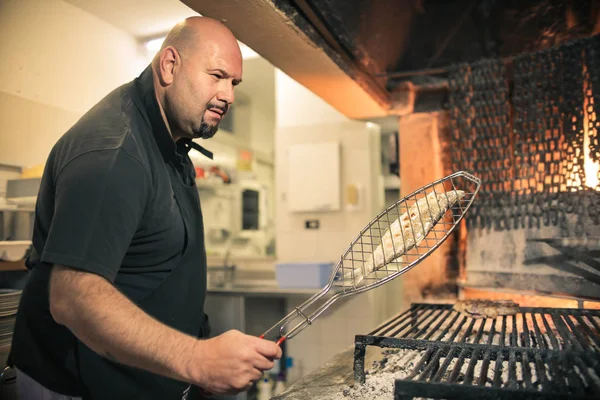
(100, 197)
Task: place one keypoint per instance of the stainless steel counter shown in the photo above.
(260, 291)
(254, 305)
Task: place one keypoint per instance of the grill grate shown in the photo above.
(449, 372)
(538, 353)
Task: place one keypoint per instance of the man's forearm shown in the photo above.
(111, 325)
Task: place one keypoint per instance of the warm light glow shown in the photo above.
(154, 44)
(527, 299)
(590, 167)
(247, 52)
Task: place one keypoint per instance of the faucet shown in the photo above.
(228, 270)
(222, 275)
(226, 258)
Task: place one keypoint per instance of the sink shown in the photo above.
(229, 278)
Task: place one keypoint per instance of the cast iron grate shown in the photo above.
(538, 353)
(454, 371)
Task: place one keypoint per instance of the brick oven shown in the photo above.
(530, 127)
(527, 124)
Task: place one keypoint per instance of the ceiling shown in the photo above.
(369, 58)
(145, 19)
(141, 18)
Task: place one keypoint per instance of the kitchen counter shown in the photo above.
(252, 263)
(328, 381)
(251, 306)
(12, 265)
(261, 291)
(255, 283)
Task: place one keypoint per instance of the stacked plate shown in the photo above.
(9, 303)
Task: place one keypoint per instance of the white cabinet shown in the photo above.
(314, 177)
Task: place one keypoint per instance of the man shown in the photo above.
(113, 306)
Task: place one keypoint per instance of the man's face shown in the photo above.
(203, 90)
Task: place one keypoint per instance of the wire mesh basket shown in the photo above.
(391, 244)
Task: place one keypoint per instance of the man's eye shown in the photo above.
(217, 76)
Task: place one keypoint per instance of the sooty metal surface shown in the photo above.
(542, 353)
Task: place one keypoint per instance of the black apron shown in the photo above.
(177, 302)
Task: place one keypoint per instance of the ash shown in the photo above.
(398, 364)
(379, 380)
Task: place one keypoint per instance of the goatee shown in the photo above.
(207, 131)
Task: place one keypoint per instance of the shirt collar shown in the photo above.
(170, 150)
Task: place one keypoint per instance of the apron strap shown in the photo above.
(201, 149)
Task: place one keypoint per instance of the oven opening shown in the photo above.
(523, 315)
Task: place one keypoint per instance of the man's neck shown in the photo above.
(159, 98)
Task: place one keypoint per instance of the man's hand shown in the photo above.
(231, 362)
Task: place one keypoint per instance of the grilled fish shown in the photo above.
(486, 308)
(407, 231)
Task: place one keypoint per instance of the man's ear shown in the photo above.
(168, 62)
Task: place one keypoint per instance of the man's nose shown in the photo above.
(226, 94)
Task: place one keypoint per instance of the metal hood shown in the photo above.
(371, 58)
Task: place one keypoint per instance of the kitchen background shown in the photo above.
(345, 97)
(64, 56)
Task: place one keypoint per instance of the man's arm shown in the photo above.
(111, 325)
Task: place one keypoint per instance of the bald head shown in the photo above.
(196, 71)
(194, 32)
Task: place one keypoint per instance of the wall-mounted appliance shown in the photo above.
(235, 217)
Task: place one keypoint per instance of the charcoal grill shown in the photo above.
(539, 353)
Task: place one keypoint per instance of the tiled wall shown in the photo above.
(302, 117)
(39, 100)
(334, 331)
(359, 145)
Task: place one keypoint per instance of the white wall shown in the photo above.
(59, 61)
(296, 105)
(302, 117)
(259, 79)
(337, 228)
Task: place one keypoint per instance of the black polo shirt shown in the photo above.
(105, 206)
